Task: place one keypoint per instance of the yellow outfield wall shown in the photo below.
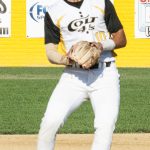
(21, 51)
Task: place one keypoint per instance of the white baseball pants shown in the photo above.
(101, 86)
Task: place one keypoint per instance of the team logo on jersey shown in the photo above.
(83, 24)
(37, 12)
(3, 7)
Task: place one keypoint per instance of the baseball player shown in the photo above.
(87, 32)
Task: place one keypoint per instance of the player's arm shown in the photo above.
(52, 39)
(114, 26)
(54, 56)
(119, 39)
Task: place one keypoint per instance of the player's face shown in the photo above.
(73, 1)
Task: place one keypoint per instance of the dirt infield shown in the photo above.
(76, 142)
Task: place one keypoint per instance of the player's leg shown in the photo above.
(105, 101)
(65, 99)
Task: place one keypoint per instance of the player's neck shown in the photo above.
(74, 4)
(73, 1)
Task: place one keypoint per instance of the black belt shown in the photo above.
(96, 66)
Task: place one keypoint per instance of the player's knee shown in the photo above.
(106, 123)
(105, 128)
(49, 128)
(104, 133)
(51, 122)
(108, 127)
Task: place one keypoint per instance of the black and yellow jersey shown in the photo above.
(88, 20)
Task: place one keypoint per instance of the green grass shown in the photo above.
(24, 93)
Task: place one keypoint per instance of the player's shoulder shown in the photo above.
(51, 3)
(103, 3)
(100, 3)
(55, 9)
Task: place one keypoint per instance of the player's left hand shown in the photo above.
(85, 53)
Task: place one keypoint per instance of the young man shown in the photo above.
(68, 22)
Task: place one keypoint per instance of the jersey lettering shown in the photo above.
(82, 24)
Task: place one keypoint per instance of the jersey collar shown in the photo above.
(76, 4)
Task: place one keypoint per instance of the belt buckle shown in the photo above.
(76, 65)
(99, 65)
(108, 64)
(96, 66)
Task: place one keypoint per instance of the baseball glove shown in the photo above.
(85, 53)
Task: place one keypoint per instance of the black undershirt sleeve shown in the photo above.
(112, 21)
(51, 31)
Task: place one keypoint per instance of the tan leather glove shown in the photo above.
(85, 53)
